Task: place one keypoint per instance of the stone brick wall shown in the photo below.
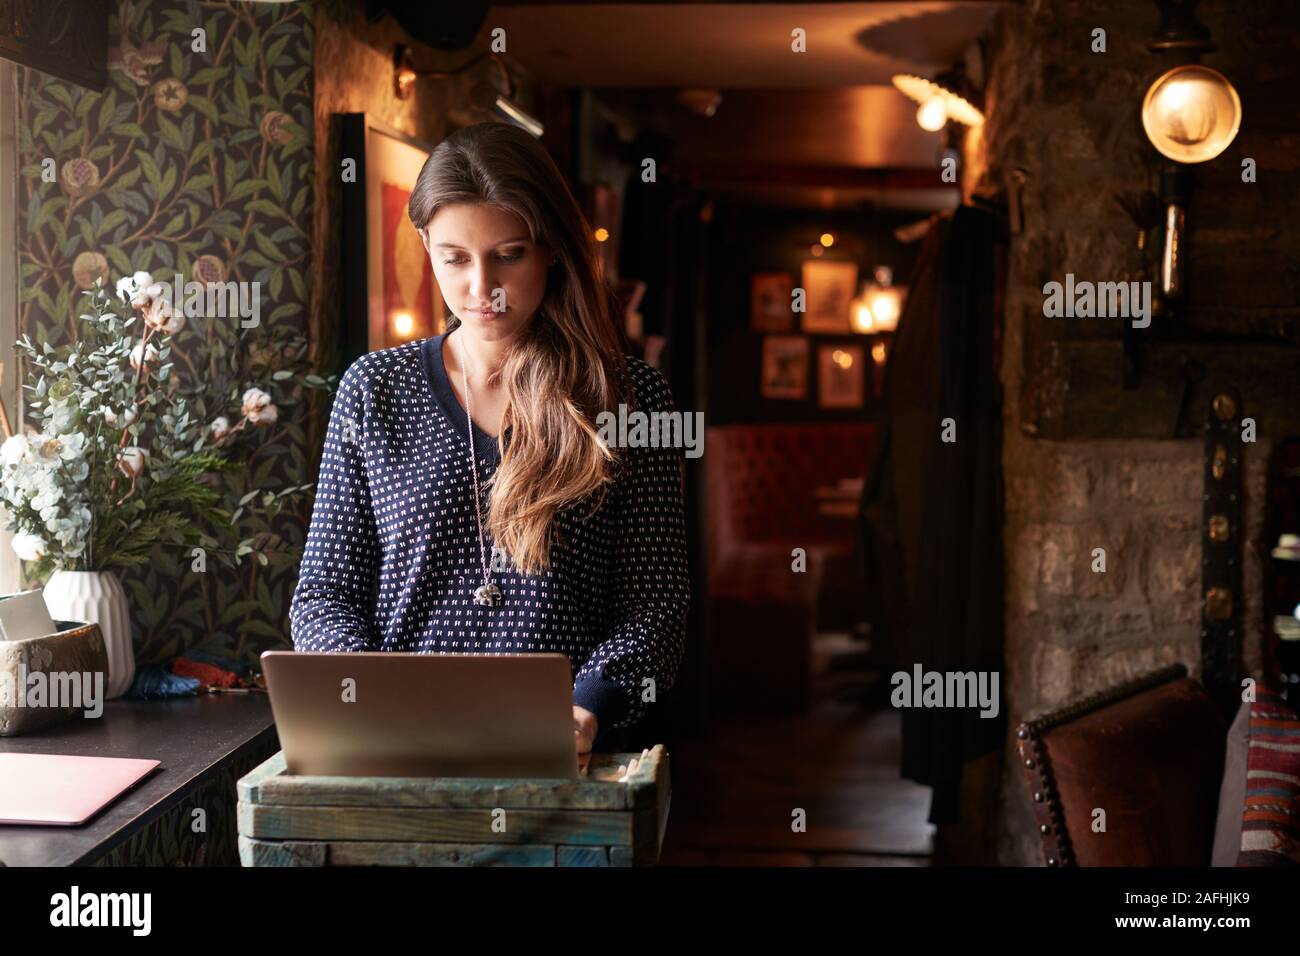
(1070, 117)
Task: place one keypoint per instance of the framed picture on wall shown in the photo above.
(829, 288)
(841, 376)
(785, 366)
(389, 292)
(769, 302)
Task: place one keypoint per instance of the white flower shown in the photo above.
(134, 289)
(29, 547)
(175, 323)
(151, 357)
(48, 448)
(220, 428)
(255, 397)
(13, 449)
(132, 461)
(259, 408)
(158, 311)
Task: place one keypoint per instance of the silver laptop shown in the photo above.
(390, 714)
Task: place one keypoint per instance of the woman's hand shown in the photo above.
(584, 728)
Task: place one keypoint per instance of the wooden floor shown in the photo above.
(735, 790)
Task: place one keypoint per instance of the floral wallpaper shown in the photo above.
(196, 160)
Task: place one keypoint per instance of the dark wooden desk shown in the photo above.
(205, 744)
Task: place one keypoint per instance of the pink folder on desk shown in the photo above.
(62, 789)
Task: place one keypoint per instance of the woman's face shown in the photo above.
(492, 275)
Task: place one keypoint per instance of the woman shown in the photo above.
(542, 539)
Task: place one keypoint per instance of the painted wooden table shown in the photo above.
(615, 815)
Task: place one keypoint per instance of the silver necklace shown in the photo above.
(486, 593)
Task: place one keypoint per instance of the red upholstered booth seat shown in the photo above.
(762, 504)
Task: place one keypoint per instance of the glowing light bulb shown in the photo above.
(863, 320)
(602, 234)
(403, 323)
(1191, 114)
(932, 114)
(885, 309)
(827, 240)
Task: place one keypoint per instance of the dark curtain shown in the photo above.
(932, 510)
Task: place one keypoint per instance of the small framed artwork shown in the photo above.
(390, 294)
(769, 302)
(829, 288)
(785, 366)
(841, 376)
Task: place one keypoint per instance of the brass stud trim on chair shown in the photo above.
(1048, 812)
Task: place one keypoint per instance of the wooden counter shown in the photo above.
(205, 744)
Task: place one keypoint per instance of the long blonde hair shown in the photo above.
(566, 366)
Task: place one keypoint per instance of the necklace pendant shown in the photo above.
(488, 594)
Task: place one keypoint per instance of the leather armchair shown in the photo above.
(1149, 753)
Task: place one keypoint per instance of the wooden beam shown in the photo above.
(844, 177)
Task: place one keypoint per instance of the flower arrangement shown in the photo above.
(122, 457)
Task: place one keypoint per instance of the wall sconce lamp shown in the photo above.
(940, 100)
(484, 97)
(1191, 114)
(878, 306)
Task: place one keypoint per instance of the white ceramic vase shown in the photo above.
(98, 597)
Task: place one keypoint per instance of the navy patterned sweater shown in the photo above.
(392, 553)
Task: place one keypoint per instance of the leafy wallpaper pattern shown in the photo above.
(198, 162)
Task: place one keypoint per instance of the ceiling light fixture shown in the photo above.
(940, 100)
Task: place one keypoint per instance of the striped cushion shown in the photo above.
(1270, 831)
